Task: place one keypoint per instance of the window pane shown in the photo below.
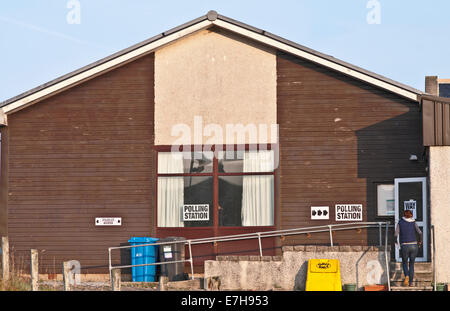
(230, 200)
(170, 201)
(258, 161)
(231, 161)
(410, 197)
(246, 200)
(170, 163)
(185, 201)
(198, 191)
(385, 200)
(184, 162)
(246, 161)
(198, 162)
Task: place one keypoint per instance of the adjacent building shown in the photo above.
(436, 133)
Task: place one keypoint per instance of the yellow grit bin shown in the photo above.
(323, 275)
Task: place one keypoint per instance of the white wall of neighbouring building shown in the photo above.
(440, 208)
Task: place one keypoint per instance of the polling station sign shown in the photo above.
(196, 212)
(349, 212)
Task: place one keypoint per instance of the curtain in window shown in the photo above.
(258, 190)
(170, 190)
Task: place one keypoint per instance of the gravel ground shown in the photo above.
(106, 286)
(84, 286)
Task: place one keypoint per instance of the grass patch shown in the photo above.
(20, 283)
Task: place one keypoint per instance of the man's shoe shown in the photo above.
(406, 281)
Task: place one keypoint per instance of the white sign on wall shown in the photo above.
(386, 200)
(108, 221)
(320, 212)
(349, 212)
(411, 205)
(196, 212)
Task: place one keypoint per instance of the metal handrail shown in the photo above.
(386, 258)
(434, 256)
(259, 236)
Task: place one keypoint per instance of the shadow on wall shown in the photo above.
(384, 151)
(300, 277)
(356, 135)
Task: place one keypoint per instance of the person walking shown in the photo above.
(409, 246)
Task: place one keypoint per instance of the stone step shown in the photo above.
(423, 276)
(412, 289)
(415, 283)
(418, 276)
(418, 266)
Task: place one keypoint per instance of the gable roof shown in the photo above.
(210, 19)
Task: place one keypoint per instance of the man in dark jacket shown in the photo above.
(409, 246)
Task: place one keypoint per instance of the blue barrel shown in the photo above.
(143, 255)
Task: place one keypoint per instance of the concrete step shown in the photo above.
(423, 273)
(423, 277)
(412, 289)
(415, 283)
(420, 276)
(418, 266)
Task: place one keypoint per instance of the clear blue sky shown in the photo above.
(37, 44)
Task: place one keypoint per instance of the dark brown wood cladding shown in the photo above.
(84, 153)
(436, 121)
(339, 138)
(4, 182)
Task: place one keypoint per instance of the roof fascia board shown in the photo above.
(3, 118)
(435, 98)
(316, 59)
(104, 67)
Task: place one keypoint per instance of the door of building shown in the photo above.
(411, 193)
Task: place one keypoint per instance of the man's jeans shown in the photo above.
(409, 251)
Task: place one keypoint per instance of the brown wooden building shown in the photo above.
(96, 142)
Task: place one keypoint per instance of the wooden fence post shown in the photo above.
(163, 283)
(116, 280)
(34, 270)
(5, 258)
(67, 279)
